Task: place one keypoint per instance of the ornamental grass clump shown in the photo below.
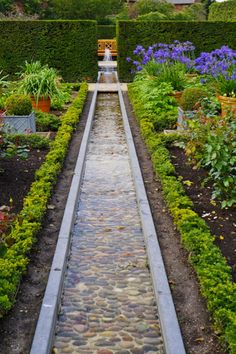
(220, 66)
(39, 81)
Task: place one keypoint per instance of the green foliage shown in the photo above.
(195, 12)
(33, 141)
(206, 36)
(154, 102)
(152, 16)
(211, 267)
(18, 105)
(106, 31)
(47, 122)
(143, 7)
(14, 262)
(222, 11)
(68, 46)
(86, 9)
(219, 156)
(192, 97)
(39, 81)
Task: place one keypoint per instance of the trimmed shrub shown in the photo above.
(222, 11)
(18, 105)
(68, 46)
(106, 31)
(206, 36)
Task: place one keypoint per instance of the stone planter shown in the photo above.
(20, 124)
(183, 117)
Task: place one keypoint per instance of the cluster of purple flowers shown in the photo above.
(164, 53)
(220, 63)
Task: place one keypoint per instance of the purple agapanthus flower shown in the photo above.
(163, 53)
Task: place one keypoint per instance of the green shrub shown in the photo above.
(191, 98)
(106, 31)
(206, 36)
(47, 122)
(18, 105)
(222, 11)
(68, 46)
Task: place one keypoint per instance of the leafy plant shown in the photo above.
(47, 122)
(192, 97)
(39, 81)
(18, 105)
(219, 157)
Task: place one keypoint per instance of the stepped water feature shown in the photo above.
(109, 297)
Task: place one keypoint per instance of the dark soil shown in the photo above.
(17, 176)
(18, 327)
(222, 222)
(194, 319)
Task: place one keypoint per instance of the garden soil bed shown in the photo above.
(17, 328)
(222, 222)
(17, 176)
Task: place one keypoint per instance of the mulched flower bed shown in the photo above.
(17, 176)
(222, 222)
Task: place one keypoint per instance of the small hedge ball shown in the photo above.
(18, 105)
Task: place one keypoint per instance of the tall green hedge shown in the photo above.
(69, 46)
(206, 36)
(223, 11)
(106, 31)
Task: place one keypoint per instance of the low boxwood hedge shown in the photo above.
(211, 267)
(24, 232)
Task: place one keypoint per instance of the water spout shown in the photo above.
(107, 55)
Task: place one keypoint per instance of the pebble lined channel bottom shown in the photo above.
(108, 304)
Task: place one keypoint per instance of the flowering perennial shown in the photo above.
(164, 53)
(220, 64)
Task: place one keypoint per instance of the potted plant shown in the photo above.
(41, 83)
(220, 66)
(19, 115)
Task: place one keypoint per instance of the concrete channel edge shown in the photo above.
(173, 341)
(45, 329)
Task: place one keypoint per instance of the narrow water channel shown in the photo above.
(108, 304)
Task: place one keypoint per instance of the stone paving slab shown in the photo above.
(108, 304)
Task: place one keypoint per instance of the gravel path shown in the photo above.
(108, 304)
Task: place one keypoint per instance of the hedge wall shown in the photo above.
(222, 11)
(106, 32)
(69, 46)
(205, 36)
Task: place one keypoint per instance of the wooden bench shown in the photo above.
(107, 44)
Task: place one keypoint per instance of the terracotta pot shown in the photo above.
(43, 104)
(228, 104)
(177, 95)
